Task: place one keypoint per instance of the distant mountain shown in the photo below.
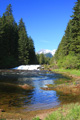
(48, 55)
(46, 52)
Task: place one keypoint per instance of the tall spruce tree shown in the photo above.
(23, 43)
(75, 44)
(32, 56)
(9, 39)
(8, 10)
(68, 38)
(1, 42)
(11, 32)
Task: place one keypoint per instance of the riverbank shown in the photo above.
(65, 112)
(74, 86)
(28, 115)
(69, 87)
(70, 72)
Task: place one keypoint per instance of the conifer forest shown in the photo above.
(68, 53)
(16, 47)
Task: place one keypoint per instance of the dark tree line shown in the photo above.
(68, 52)
(43, 59)
(16, 47)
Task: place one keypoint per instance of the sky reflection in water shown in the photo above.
(36, 98)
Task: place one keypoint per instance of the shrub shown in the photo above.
(69, 62)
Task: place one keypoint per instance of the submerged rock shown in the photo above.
(26, 87)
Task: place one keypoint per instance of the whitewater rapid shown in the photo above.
(28, 67)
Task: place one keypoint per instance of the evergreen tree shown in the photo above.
(64, 46)
(42, 59)
(68, 38)
(75, 44)
(8, 10)
(32, 56)
(1, 42)
(69, 47)
(1, 28)
(15, 46)
(9, 39)
(59, 52)
(37, 57)
(23, 43)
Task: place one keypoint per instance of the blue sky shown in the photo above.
(45, 20)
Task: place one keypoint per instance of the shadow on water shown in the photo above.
(12, 97)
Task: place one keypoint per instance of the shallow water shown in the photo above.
(12, 97)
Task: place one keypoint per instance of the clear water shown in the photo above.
(35, 99)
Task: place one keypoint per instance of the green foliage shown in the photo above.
(26, 46)
(15, 46)
(3, 119)
(42, 59)
(37, 118)
(32, 56)
(8, 40)
(69, 62)
(23, 44)
(69, 112)
(68, 71)
(68, 52)
(8, 10)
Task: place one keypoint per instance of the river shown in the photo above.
(12, 97)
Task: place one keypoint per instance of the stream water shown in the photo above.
(12, 97)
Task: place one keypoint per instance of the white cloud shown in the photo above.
(44, 51)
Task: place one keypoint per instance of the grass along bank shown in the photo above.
(65, 112)
(69, 93)
(73, 72)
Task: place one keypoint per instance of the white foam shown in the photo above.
(28, 67)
